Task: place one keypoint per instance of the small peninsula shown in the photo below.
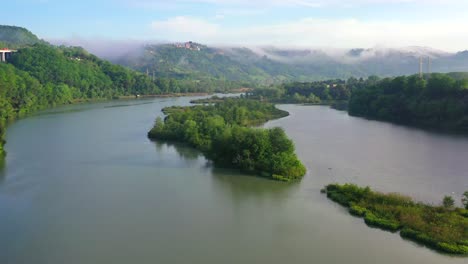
(223, 132)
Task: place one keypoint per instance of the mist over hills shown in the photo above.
(255, 65)
(275, 64)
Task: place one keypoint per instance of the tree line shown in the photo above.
(438, 101)
(222, 132)
(319, 92)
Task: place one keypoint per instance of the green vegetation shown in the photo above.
(334, 92)
(448, 202)
(316, 92)
(465, 199)
(441, 228)
(267, 66)
(211, 100)
(40, 75)
(192, 66)
(440, 102)
(15, 37)
(236, 64)
(221, 132)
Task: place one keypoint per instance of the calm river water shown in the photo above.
(83, 184)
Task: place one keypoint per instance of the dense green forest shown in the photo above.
(234, 64)
(221, 131)
(40, 75)
(307, 92)
(16, 37)
(438, 101)
(443, 228)
(258, 66)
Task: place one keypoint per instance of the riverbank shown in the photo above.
(4, 125)
(440, 103)
(439, 228)
(162, 95)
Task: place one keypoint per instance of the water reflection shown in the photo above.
(2, 168)
(185, 152)
(242, 187)
(127, 105)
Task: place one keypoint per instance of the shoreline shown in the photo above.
(3, 152)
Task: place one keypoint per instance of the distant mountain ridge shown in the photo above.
(271, 64)
(258, 65)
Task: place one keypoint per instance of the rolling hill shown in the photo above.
(269, 65)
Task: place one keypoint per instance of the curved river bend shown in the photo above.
(83, 184)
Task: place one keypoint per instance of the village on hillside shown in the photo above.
(188, 45)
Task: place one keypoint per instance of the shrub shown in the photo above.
(281, 178)
(465, 199)
(448, 202)
(357, 210)
(386, 224)
(452, 248)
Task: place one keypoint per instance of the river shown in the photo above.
(83, 184)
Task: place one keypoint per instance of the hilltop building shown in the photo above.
(188, 45)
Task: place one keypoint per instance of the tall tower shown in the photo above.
(429, 66)
(420, 67)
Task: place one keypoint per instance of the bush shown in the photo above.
(453, 248)
(357, 210)
(281, 178)
(386, 224)
(448, 202)
(465, 198)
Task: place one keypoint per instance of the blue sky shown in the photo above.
(441, 24)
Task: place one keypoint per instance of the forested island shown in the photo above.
(438, 101)
(222, 132)
(443, 228)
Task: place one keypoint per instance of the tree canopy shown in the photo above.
(221, 131)
(438, 101)
(41, 75)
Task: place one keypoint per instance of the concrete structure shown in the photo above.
(5, 54)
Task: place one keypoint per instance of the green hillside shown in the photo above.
(232, 64)
(41, 75)
(264, 66)
(181, 63)
(14, 37)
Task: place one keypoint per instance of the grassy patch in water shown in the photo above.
(439, 228)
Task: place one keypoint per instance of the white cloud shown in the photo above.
(182, 26)
(300, 3)
(337, 33)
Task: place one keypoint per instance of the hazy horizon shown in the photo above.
(292, 23)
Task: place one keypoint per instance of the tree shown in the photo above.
(448, 202)
(465, 199)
